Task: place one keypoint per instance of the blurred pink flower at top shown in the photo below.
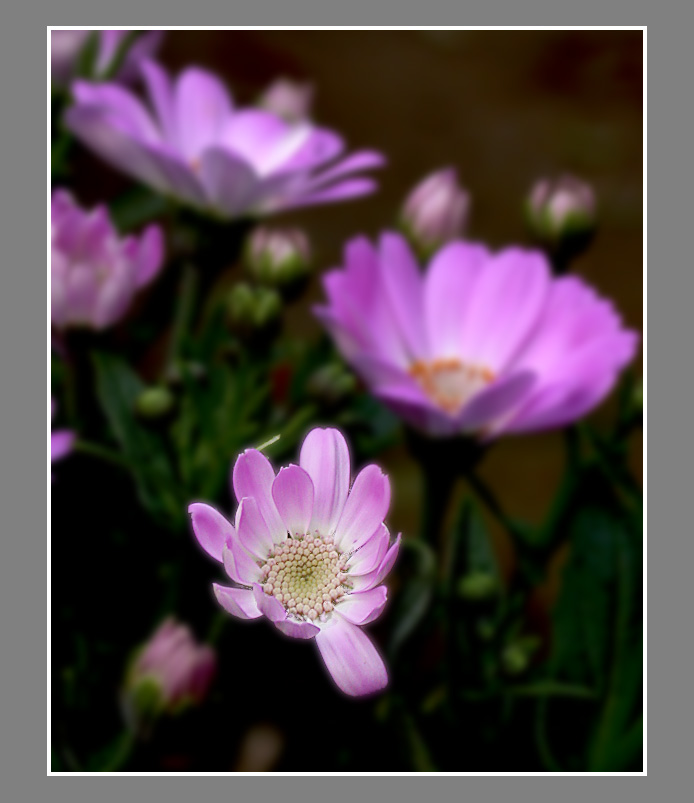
(171, 671)
(435, 212)
(67, 45)
(288, 99)
(485, 343)
(62, 440)
(308, 553)
(95, 273)
(191, 143)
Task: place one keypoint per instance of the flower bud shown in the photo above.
(477, 586)
(253, 309)
(516, 656)
(154, 403)
(331, 384)
(170, 673)
(561, 213)
(435, 212)
(279, 258)
(288, 99)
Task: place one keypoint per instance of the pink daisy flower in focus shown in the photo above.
(484, 343)
(308, 553)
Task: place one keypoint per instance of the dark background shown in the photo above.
(504, 107)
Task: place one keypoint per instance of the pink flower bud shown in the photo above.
(94, 273)
(288, 99)
(278, 257)
(561, 207)
(171, 672)
(436, 211)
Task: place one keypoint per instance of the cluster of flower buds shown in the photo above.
(331, 384)
(278, 258)
(435, 212)
(290, 100)
(154, 403)
(561, 214)
(253, 311)
(170, 673)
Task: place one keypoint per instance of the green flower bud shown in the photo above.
(251, 310)
(331, 384)
(154, 403)
(478, 586)
(516, 656)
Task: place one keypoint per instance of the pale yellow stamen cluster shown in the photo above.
(449, 382)
(306, 574)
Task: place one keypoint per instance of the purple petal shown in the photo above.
(161, 96)
(511, 289)
(239, 602)
(293, 493)
(269, 606)
(259, 138)
(211, 529)
(365, 509)
(239, 563)
(61, 443)
(113, 300)
(319, 146)
(253, 475)
(403, 284)
(449, 294)
(496, 401)
(203, 110)
(303, 630)
(325, 458)
(351, 658)
(363, 607)
(149, 255)
(252, 529)
(230, 183)
(352, 188)
(117, 103)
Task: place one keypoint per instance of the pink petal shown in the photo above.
(253, 475)
(369, 556)
(351, 658)
(365, 582)
(252, 529)
(363, 607)
(351, 188)
(365, 509)
(325, 458)
(509, 297)
(239, 563)
(230, 182)
(202, 110)
(448, 294)
(61, 443)
(303, 630)
(239, 602)
(118, 103)
(269, 606)
(403, 284)
(211, 529)
(293, 493)
(496, 401)
(161, 96)
(149, 255)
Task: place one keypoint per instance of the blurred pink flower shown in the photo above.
(193, 144)
(288, 99)
(171, 671)
(435, 212)
(61, 440)
(308, 553)
(66, 46)
(483, 343)
(94, 273)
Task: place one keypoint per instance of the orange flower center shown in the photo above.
(449, 382)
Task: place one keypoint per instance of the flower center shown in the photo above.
(306, 574)
(449, 382)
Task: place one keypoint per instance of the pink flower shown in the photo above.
(61, 441)
(192, 144)
(171, 672)
(67, 45)
(484, 343)
(94, 273)
(436, 211)
(308, 553)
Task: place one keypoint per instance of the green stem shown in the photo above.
(489, 500)
(185, 305)
(101, 453)
(122, 753)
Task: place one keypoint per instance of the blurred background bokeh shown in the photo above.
(504, 108)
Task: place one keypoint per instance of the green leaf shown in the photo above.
(118, 387)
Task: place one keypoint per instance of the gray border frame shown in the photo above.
(24, 722)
